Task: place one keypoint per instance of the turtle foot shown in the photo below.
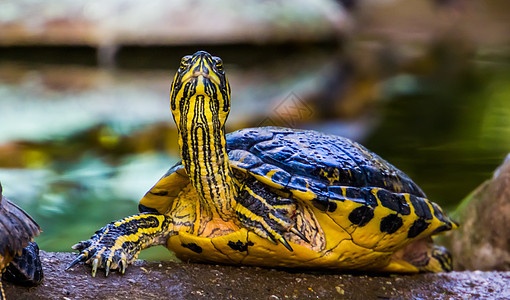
(118, 244)
(104, 250)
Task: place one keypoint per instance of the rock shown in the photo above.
(171, 280)
(483, 240)
(129, 22)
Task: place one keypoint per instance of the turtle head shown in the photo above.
(200, 86)
(200, 103)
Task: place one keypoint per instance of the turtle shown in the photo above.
(271, 197)
(19, 255)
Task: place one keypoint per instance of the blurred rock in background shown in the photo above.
(483, 240)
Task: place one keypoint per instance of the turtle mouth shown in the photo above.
(196, 76)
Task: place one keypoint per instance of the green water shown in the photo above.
(80, 145)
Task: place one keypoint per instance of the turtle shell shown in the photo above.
(18, 255)
(376, 203)
(360, 207)
(310, 161)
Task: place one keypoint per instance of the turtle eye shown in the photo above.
(185, 61)
(218, 63)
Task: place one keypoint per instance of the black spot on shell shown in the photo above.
(320, 205)
(421, 208)
(239, 246)
(193, 247)
(391, 223)
(442, 228)
(332, 206)
(354, 193)
(418, 227)
(324, 205)
(361, 215)
(395, 202)
(438, 213)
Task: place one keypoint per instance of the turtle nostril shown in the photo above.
(200, 70)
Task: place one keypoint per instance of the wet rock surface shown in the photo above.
(171, 280)
(482, 243)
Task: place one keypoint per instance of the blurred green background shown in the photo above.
(85, 127)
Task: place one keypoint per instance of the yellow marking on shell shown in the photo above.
(340, 215)
(265, 253)
(304, 195)
(262, 253)
(331, 177)
(435, 222)
(370, 235)
(399, 239)
(353, 256)
(162, 195)
(400, 266)
(208, 253)
(222, 244)
(267, 181)
(396, 240)
(344, 191)
(334, 230)
(271, 173)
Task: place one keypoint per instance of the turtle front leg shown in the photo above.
(118, 244)
(269, 215)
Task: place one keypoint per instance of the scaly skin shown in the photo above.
(118, 244)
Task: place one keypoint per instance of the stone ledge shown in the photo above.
(171, 280)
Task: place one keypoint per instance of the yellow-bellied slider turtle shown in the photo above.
(19, 256)
(272, 196)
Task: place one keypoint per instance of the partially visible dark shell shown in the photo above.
(17, 230)
(25, 269)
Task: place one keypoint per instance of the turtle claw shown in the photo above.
(80, 258)
(286, 244)
(299, 234)
(123, 265)
(95, 264)
(275, 237)
(107, 267)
